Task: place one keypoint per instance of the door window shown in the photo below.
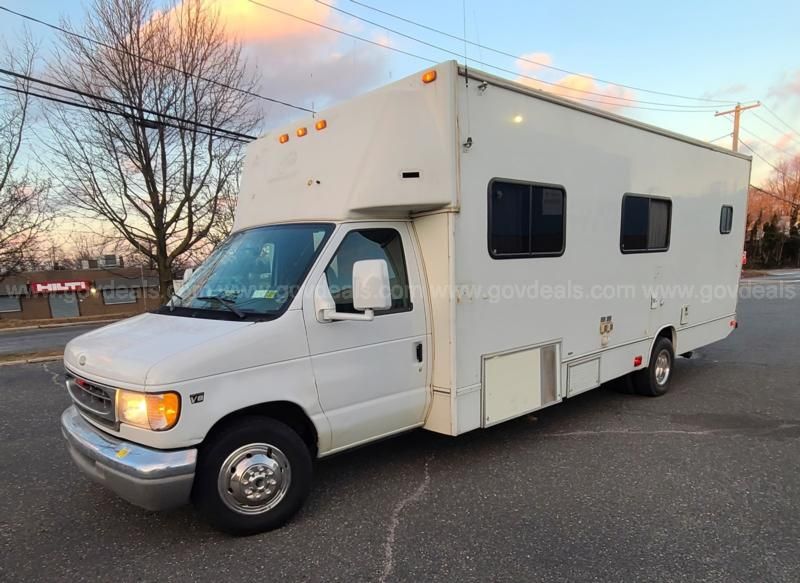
(383, 244)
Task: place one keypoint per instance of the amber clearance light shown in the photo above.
(429, 76)
(321, 124)
(301, 132)
(283, 138)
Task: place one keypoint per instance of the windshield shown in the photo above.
(252, 274)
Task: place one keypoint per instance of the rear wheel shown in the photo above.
(655, 379)
(253, 477)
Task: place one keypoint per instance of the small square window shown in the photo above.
(646, 224)
(525, 219)
(725, 219)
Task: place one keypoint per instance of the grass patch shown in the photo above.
(11, 324)
(14, 356)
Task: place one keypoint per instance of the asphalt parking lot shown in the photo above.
(700, 485)
(41, 339)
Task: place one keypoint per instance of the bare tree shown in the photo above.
(775, 232)
(78, 246)
(155, 168)
(23, 195)
(784, 185)
(227, 208)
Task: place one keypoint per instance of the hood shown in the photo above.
(125, 351)
(154, 350)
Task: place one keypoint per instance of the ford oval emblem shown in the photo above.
(82, 359)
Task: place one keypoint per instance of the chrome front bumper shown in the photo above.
(151, 478)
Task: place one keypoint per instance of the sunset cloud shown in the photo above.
(787, 88)
(726, 92)
(299, 62)
(786, 141)
(582, 88)
(531, 62)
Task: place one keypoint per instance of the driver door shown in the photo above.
(371, 376)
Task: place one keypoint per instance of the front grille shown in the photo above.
(94, 400)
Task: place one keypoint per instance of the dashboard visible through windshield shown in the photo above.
(254, 274)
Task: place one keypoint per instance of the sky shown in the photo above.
(733, 51)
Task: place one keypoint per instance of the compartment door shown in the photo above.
(519, 381)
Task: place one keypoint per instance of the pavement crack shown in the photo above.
(55, 377)
(632, 432)
(394, 521)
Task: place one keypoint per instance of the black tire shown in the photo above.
(235, 440)
(647, 381)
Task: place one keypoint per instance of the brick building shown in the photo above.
(74, 293)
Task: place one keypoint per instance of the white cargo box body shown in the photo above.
(354, 167)
(513, 335)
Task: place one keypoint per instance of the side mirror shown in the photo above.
(370, 292)
(371, 285)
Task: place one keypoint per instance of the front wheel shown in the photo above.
(253, 477)
(654, 380)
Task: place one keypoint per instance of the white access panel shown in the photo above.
(583, 376)
(518, 382)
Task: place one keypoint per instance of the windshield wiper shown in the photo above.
(231, 305)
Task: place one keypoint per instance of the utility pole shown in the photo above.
(737, 112)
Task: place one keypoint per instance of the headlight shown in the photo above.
(156, 411)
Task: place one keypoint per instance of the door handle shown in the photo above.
(418, 351)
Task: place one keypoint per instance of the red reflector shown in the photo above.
(637, 361)
(734, 324)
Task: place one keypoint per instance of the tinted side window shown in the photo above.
(635, 220)
(369, 244)
(525, 219)
(510, 226)
(726, 219)
(547, 230)
(646, 224)
(658, 233)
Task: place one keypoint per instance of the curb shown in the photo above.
(58, 325)
(32, 360)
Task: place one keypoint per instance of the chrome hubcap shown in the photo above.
(254, 478)
(663, 366)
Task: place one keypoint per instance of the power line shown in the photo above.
(767, 162)
(154, 62)
(463, 56)
(728, 135)
(107, 111)
(126, 105)
(524, 59)
(786, 200)
(429, 60)
(767, 142)
(777, 129)
(775, 115)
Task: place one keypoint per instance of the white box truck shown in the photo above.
(450, 251)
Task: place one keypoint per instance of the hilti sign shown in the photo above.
(48, 287)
